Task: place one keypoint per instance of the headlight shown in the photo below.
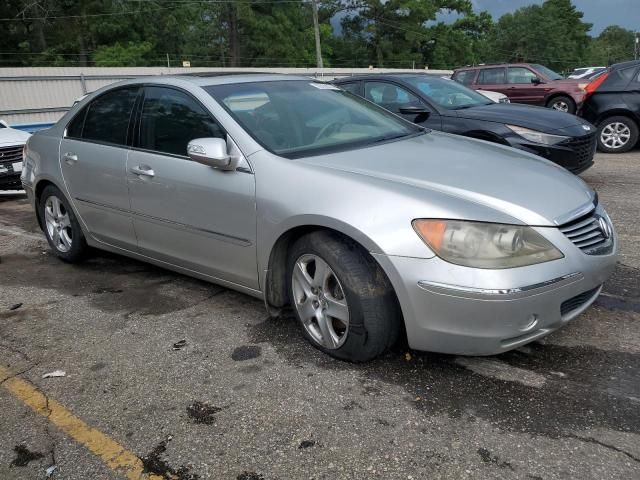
(535, 136)
(485, 245)
(504, 100)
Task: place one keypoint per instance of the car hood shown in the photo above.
(11, 136)
(528, 116)
(519, 185)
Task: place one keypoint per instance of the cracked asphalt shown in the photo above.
(197, 383)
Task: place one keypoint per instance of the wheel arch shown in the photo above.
(274, 278)
(554, 95)
(618, 112)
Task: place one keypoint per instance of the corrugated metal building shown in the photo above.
(44, 94)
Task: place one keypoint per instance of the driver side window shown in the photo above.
(390, 96)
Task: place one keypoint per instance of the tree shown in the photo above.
(614, 44)
(552, 33)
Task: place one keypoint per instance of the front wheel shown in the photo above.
(617, 135)
(341, 297)
(61, 226)
(562, 104)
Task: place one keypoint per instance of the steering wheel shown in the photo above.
(328, 129)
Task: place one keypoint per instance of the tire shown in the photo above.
(563, 104)
(61, 226)
(355, 282)
(626, 131)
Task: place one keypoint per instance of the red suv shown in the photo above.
(525, 83)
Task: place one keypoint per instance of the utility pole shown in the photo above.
(316, 30)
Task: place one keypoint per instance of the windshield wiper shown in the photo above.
(390, 137)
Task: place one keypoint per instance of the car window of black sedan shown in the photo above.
(446, 93)
(390, 96)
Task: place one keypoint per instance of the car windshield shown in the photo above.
(447, 93)
(547, 72)
(296, 118)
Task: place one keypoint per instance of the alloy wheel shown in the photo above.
(615, 135)
(320, 301)
(58, 224)
(561, 106)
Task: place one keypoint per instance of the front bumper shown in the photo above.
(467, 311)
(575, 154)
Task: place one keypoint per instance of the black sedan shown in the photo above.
(442, 104)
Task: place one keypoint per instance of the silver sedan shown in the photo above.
(290, 190)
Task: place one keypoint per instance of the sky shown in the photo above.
(601, 13)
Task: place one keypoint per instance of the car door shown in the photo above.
(186, 213)
(493, 79)
(521, 89)
(93, 158)
(632, 94)
(394, 97)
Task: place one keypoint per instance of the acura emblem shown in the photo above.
(604, 227)
(586, 127)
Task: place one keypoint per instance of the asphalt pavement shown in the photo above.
(170, 377)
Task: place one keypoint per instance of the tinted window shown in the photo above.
(171, 119)
(390, 96)
(350, 87)
(491, 76)
(547, 72)
(621, 77)
(465, 77)
(295, 118)
(107, 118)
(74, 130)
(520, 75)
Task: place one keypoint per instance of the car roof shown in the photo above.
(494, 65)
(631, 63)
(206, 79)
(374, 76)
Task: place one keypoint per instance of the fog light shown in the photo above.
(532, 321)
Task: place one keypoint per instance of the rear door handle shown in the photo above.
(143, 170)
(70, 158)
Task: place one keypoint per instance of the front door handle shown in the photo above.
(70, 158)
(143, 170)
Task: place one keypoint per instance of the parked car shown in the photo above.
(525, 83)
(11, 145)
(448, 106)
(613, 105)
(586, 73)
(298, 193)
(495, 97)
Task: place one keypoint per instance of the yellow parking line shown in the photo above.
(114, 455)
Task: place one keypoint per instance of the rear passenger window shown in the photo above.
(491, 76)
(171, 119)
(107, 117)
(74, 130)
(465, 77)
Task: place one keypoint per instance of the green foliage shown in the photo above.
(239, 33)
(130, 55)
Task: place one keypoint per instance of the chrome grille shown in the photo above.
(591, 233)
(11, 154)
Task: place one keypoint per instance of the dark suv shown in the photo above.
(525, 83)
(613, 105)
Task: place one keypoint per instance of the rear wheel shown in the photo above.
(341, 297)
(61, 226)
(617, 135)
(562, 104)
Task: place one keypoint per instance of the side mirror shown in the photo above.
(414, 110)
(211, 152)
(536, 80)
